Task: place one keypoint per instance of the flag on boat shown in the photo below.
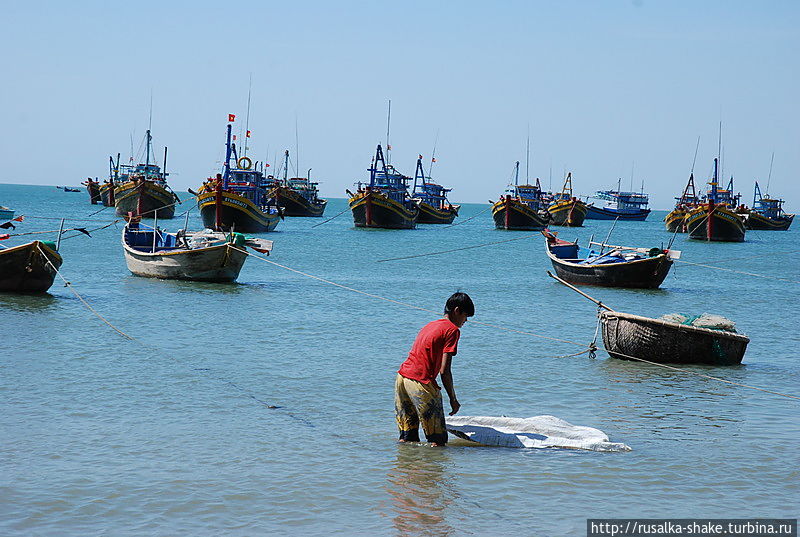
(248, 134)
(231, 118)
(20, 218)
(7, 225)
(234, 137)
(266, 165)
(420, 157)
(433, 160)
(388, 147)
(4, 236)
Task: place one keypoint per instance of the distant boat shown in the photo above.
(298, 196)
(239, 199)
(565, 209)
(200, 256)
(675, 221)
(767, 213)
(29, 268)
(68, 189)
(384, 201)
(714, 218)
(6, 213)
(521, 207)
(619, 205)
(141, 189)
(619, 266)
(431, 198)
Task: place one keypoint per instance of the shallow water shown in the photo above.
(173, 434)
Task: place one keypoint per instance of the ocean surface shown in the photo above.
(265, 407)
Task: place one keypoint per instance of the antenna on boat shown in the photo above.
(528, 157)
(286, 168)
(296, 147)
(149, 138)
(696, 147)
(769, 177)
(164, 169)
(388, 146)
(433, 156)
(247, 116)
(632, 164)
(60, 232)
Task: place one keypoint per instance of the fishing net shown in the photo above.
(704, 320)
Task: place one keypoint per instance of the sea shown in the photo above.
(134, 406)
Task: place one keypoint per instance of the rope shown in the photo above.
(85, 303)
(457, 249)
(468, 219)
(738, 271)
(331, 218)
(101, 210)
(91, 230)
(65, 219)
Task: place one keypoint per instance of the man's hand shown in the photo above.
(455, 405)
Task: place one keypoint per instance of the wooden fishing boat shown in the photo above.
(239, 199)
(431, 198)
(714, 218)
(6, 213)
(68, 189)
(383, 202)
(29, 268)
(93, 188)
(656, 340)
(619, 206)
(675, 221)
(565, 209)
(620, 266)
(200, 256)
(521, 207)
(297, 196)
(767, 213)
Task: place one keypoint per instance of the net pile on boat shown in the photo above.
(534, 432)
(704, 320)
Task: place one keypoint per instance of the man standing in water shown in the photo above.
(417, 396)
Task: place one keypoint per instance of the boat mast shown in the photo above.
(149, 138)
(516, 179)
(528, 157)
(227, 167)
(769, 177)
(388, 145)
(433, 156)
(247, 117)
(286, 168)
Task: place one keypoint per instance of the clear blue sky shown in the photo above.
(603, 85)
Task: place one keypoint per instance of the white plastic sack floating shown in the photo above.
(535, 432)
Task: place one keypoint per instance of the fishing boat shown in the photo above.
(384, 201)
(619, 205)
(93, 188)
(565, 209)
(675, 221)
(630, 336)
(29, 268)
(431, 198)
(767, 213)
(714, 218)
(240, 198)
(619, 266)
(521, 207)
(68, 189)
(298, 196)
(634, 337)
(140, 189)
(204, 256)
(6, 213)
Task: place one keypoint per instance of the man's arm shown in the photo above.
(447, 382)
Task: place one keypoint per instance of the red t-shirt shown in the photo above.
(425, 358)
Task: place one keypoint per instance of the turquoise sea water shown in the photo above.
(173, 434)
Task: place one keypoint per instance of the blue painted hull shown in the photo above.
(600, 213)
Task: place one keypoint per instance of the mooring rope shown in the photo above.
(92, 230)
(65, 219)
(738, 271)
(331, 218)
(468, 219)
(457, 249)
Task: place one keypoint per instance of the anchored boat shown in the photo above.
(714, 218)
(93, 188)
(675, 221)
(240, 198)
(521, 207)
(29, 268)
(6, 213)
(383, 202)
(619, 206)
(767, 213)
(566, 209)
(298, 196)
(619, 266)
(431, 198)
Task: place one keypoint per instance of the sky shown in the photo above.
(605, 90)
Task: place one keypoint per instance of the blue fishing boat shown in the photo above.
(384, 201)
(6, 213)
(240, 198)
(767, 213)
(431, 198)
(619, 205)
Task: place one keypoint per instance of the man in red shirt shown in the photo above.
(417, 397)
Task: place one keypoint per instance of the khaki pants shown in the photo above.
(414, 403)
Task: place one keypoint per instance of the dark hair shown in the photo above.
(461, 301)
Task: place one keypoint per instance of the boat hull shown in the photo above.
(714, 224)
(214, 264)
(601, 213)
(675, 221)
(294, 204)
(94, 193)
(654, 340)
(237, 213)
(569, 213)
(145, 199)
(28, 268)
(376, 210)
(514, 215)
(757, 221)
(6, 214)
(428, 214)
(639, 274)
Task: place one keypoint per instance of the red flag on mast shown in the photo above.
(231, 118)
(248, 134)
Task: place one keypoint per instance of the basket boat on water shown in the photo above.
(630, 336)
